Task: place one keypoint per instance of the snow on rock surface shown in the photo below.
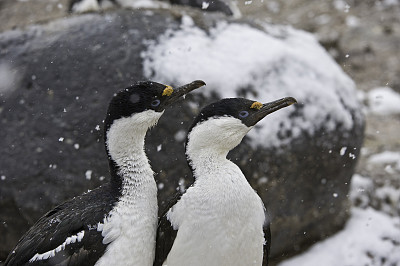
(239, 60)
(370, 237)
(85, 6)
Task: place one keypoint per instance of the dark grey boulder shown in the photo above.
(57, 80)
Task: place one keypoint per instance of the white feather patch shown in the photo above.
(110, 231)
(51, 253)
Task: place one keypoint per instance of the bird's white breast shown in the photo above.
(220, 221)
(130, 228)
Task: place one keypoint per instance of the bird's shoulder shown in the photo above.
(68, 233)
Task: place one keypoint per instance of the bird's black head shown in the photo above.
(222, 125)
(132, 112)
(144, 96)
(247, 111)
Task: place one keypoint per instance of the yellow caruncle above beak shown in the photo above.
(256, 105)
(167, 91)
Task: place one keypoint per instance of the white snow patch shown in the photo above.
(180, 135)
(384, 101)
(76, 146)
(85, 6)
(239, 60)
(352, 21)
(346, 8)
(204, 5)
(386, 157)
(159, 147)
(361, 188)
(134, 4)
(93, 5)
(88, 174)
(352, 156)
(390, 2)
(390, 199)
(181, 186)
(368, 237)
(341, 5)
(3, 177)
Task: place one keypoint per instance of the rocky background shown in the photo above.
(363, 37)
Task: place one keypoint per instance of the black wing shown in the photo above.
(165, 233)
(78, 216)
(267, 238)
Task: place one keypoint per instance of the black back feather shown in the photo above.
(81, 213)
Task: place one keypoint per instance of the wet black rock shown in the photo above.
(57, 80)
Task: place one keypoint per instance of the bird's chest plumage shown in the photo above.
(220, 222)
(130, 228)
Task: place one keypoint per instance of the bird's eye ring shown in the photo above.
(155, 103)
(244, 114)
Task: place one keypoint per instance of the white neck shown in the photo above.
(126, 135)
(210, 141)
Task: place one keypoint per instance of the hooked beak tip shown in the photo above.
(290, 101)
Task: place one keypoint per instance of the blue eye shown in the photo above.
(244, 114)
(155, 103)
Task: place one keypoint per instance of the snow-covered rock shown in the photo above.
(370, 238)
(240, 60)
